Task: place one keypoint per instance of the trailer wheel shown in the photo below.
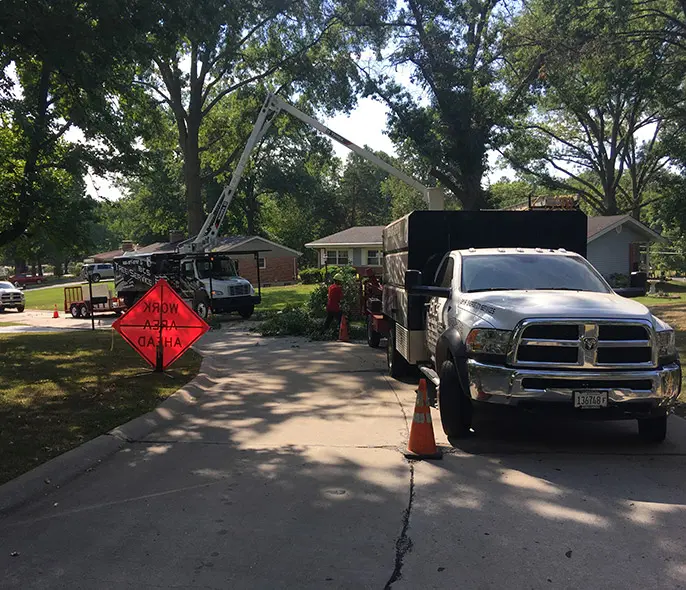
(373, 337)
(75, 310)
(85, 313)
(453, 403)
(397, 365)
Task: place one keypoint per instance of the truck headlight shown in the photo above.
(488, 341)
(217, 293)
(666, 346)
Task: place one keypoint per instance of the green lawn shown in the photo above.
(675, 289)
(276, 298)
(60, 390)
(48, 298)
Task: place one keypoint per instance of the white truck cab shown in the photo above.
(229, 292)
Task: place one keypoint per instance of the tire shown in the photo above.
(453, 403)
(75, 310)
(39, 282)
(246, 312)
(84, 311)
(202, 308)
(653, 430)
(2, 309)
(373, 338)
(397, 365)
(95, 278)
(20, 308)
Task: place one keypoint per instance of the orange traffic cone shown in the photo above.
(422, 444)
(55, 314)
(343, 330)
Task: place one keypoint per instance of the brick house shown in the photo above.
(360, 246)
(278, 264)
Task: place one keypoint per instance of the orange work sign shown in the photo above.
(161, 326)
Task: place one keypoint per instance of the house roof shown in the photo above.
(599, 226)
(359, 235)
(232, 243)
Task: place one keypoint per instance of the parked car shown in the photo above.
(10, 297)
(21, 279)
(97, 271)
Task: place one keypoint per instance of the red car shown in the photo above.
(19, 280)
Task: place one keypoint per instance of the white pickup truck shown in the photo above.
(533, 328)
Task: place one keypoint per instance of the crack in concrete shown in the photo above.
(403, 543)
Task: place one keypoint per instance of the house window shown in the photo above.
(339, 257)
(262, 263)
(373, 258)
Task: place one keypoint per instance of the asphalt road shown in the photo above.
(286, 474)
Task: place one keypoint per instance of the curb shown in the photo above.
(49, 476)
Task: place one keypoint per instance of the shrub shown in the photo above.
(311, 276)
(619, 280)
(351, 295)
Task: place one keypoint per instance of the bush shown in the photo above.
(619, 280)
(74, 268)
(351, 295)
(311, 276)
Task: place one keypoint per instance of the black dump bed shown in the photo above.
(422, 238)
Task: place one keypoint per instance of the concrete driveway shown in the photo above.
(285, 473)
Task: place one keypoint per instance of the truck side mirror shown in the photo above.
(413, 285)
(413, 278)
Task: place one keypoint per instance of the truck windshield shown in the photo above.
(4, 285)
(526, 272)
(222, 268)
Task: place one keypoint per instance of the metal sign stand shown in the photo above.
(89, 274)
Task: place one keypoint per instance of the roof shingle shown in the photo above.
(361, 234)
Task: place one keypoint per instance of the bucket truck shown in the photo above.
(209, 280)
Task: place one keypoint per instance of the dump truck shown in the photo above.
(501, 309)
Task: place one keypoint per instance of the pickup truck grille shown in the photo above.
(8, 298)
(584, 344)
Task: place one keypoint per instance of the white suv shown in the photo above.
(98, 272)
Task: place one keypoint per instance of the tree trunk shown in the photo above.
(36, 139)
(191, 171)
(474, 197)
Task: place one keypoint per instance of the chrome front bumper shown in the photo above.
(505, 385)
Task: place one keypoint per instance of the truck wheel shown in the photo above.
(75, 310)
(397, 365)
(20, 308)
(2, 309)
(653, 430)
(95, 278)
(373, 338)
(202, 309)
(453, 403)
(246, 312)
(84, 311)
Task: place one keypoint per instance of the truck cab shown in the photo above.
(229, 292)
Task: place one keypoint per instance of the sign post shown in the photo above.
(160, 326)
(90, 294)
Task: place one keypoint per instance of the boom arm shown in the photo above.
(270, 109)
